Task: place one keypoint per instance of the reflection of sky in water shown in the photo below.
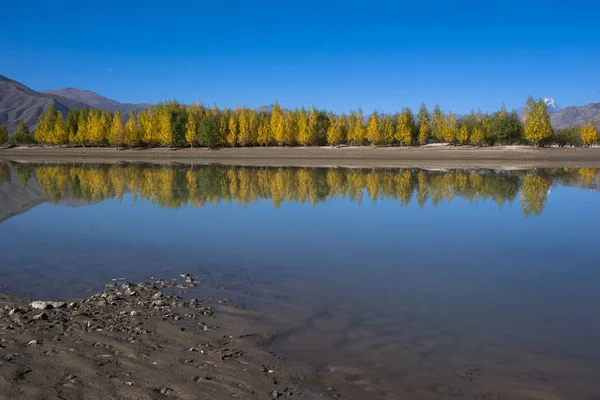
(469, 272)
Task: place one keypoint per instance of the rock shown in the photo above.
(133, 313)
(40, 305)
(275, 394)
(157, 296)
(158, 303)
(32, 343)
(45, 305)
(40, 317)
(165, 391)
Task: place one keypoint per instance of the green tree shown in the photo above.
(208, 129)
(22, 135)
(3, 134)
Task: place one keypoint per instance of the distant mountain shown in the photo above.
(94, 100)
(18, 102)
(570, 116)
(550, 103)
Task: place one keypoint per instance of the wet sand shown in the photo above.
(431, 156)
(137, 341)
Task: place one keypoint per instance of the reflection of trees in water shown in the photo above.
(197, 186)
(4, 173)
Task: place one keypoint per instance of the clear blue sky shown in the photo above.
(335, 55)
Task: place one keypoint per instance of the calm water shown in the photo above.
(394, 283)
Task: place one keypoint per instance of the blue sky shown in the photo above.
(337, 56)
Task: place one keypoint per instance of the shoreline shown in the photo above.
(138, 341)
(496, 157)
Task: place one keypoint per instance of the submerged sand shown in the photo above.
(140, 342)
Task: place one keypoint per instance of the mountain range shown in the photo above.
(19, 102)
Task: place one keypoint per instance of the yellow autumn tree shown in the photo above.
(303, 132)
(589, 134)
(232, 132)
(423, 122)
(405, 127)
(463, 134)
(277, 124)
(373, 133)
(116, 136)
(132, 133)
(335, 133)
(449, 130)
(290, 129)
(537, 124)
(388, 129)
(191, 125)
(477, 136)
(359, 132)
(263, 133)
(60, 134)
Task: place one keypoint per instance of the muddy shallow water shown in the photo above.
(391, 283)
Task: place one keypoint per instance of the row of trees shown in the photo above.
(197, 186)
(174, 124)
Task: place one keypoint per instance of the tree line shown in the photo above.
(196, 186)
(172, 124)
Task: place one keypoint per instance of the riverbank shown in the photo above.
(138, 341)
(432, 156)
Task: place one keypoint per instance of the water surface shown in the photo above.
(393, 283)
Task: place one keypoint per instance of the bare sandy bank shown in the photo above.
(426, 156)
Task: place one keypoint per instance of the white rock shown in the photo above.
(40, 305)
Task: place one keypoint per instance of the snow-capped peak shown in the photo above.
(551, 104)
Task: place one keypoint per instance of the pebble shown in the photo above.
(40, 317)
(165, 391)
(275, 394)
(32, 343)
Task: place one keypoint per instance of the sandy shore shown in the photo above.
(138, 341)
(403, 157)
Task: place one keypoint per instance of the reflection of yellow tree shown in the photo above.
(53, 181)
(404, 187)
(587, 176)
(336, 182)
(422, 189)
(534, 192)
(197, 186)
(372, 180)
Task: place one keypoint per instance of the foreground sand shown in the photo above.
(427, 156)
(139, 342)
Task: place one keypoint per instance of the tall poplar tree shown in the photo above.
(3, 134)
(359, 132)
(116, 136)
(405, 127)
(277, 124)
(537, 125)
(589, 134)
(374, 129)
(132, 133)
(423, 124)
